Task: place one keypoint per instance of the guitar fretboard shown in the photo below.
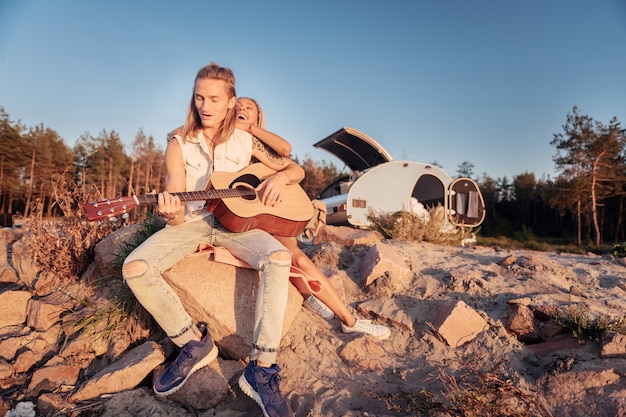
(200, 195)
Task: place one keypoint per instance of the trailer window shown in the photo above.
(334, 189)
(429, 191)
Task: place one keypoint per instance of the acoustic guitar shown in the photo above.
(239, 208)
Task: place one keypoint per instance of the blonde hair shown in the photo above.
(193, 124)
(260, 120)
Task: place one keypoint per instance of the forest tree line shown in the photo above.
(584, 204)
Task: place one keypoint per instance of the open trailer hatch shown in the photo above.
(355, 149)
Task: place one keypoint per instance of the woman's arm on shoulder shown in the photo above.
(277, 163)
(262, 151)
(272, 140)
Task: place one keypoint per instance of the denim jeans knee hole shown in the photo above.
(134, 268)
(280, 257)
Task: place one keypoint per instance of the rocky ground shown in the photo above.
(519, 360)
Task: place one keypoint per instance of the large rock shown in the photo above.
(110, 248)
(347, 236)
(124, 374)
(13, 340)
(7, 272)
(43, 345)
(613, 345)
(13, 307)
(383, 260)
(22, 261)
(45, 312)
(50, 378)
(7, 237)
(591, 388)
(457, 323)
(520, 322)
(224, 296)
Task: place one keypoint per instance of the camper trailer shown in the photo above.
(379, 183)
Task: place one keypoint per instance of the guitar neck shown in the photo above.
(286, 218)
(199, 195)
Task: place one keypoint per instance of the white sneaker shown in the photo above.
(367, 327)
(319, 308)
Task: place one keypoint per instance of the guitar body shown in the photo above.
(288, 217)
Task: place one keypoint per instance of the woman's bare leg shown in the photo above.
(328, 295)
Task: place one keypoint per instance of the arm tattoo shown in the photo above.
(269, 152)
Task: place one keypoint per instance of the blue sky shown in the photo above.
(488, 82)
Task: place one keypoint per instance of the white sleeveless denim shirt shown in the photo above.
(234, 154)
(230, 156)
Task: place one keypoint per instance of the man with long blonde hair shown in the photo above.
(211, 142)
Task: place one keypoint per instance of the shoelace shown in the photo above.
(274, 383)
(365, 325)
(317, 307)
(182, 357)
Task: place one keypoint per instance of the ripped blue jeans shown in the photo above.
(142, 271)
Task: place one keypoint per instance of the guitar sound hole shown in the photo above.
(249, 193)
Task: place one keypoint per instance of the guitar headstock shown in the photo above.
(109, 208)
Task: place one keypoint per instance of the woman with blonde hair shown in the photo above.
(327, 301)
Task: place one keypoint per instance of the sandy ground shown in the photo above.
(328, 373)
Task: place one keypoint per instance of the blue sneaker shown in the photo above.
(193, 356)
(261, 384)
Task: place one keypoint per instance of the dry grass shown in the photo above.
(64, 247)
(62, 250)
(410, 403)
(477, 393)
(474, 392)
(407, 226)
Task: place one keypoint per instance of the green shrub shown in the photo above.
(619, 251)
(585, 325)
